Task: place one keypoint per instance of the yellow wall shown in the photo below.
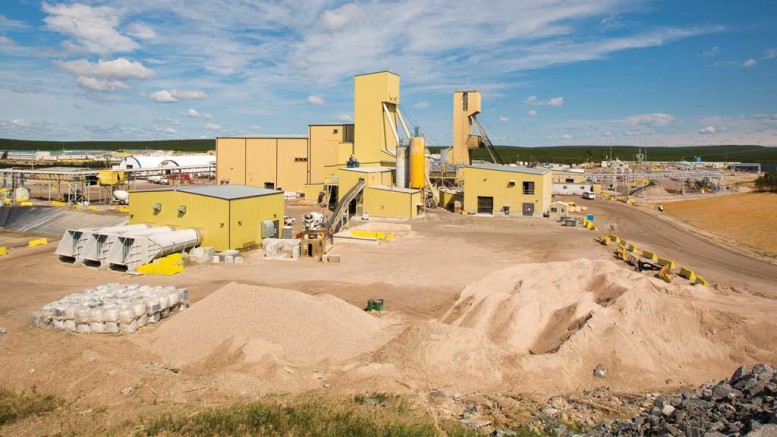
(246, 216)
(462, 127)
(373, 132)
(231, 159)
(223, 224)
(495, 183)
(258, 161)
(292, 164)
(328, 146)
(261, 161)
(385, 202)
(209, 215)
(347, 178)
(560, 176)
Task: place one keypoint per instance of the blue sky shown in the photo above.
(552, 72)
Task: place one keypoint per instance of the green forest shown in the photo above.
(509, 154)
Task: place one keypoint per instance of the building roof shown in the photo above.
(510, 168)
(226, 192)
(397, 189)
(368, 169)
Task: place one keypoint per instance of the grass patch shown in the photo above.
(15, 406)
(372, 415)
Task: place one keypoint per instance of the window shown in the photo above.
(301, 159)
(528, 188)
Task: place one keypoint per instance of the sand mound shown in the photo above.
(559, 320)
(250, 324)
(437, 353)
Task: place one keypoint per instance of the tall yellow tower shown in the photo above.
(465, 105)
(375, 100)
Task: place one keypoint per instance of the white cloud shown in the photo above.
(315, 100)
(162, 96)
(658, 119)
(5, 41)
(711, 53)
(140, 30)
(535, 101)
(556, 101)
(531, 113)
(94, 28)
(566, 137)
(504, 118)
(7, 23)
(770, 54)
(421, 105)
(749, 63)
(212, 126)
(708, 130)
(192, 113)
(340, 18)
(345, 118)
(105, 76)
(531, 100)
(118, 68)
(18, 122)
(174, 96)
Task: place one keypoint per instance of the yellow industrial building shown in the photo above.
(227, 216)
(319, 163)
(490, 189)
(377, 167)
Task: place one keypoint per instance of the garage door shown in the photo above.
(528, 209)
(485, 205)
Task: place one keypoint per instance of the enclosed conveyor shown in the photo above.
(99, 244)
(130, 251)
(73, 245)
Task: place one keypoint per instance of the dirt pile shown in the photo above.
(558, 321)
(437, 353)
(248, 324)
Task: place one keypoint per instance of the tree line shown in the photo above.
(767, 182)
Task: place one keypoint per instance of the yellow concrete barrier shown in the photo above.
(372, 234)
(3, 251)
(649, 255)
(92, 208)
(614, 238)
(75, 206)
(632, 248)
(22, 199)
(165, 266)
(664, 261)
(25, 203)
(687, 274)
(700, 281)
(124, 210)
(38, 242)
(58, 203)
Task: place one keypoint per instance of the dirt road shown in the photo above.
(715, 262)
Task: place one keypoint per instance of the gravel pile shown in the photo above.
(743, 405)
(112, 308)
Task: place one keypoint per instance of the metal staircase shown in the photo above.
(340, 215)
(487, 142)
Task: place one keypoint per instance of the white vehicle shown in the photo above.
(161, 180)
(289, 221)
(589, 195)
(314, 220)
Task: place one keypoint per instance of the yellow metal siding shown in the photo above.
(207, 214)
(292, 154)
(380, 202)
(348, 178)
(495, 183)
(374, 132)
(246, 215)
(261, 159)
(324, 150)
(231, 160)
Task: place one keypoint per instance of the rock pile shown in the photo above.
(743, 405)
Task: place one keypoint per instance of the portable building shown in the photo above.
(493, 188)
(227, 216)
